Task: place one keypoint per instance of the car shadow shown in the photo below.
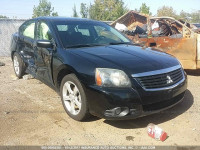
(91, 119)
(193, 72)
(157, 118)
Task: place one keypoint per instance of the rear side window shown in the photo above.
(28, 29)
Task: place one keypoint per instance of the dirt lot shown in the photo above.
(31, 113)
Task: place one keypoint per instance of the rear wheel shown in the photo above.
(18, 65)
(73, 98)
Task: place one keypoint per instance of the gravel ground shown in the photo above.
(31, 113)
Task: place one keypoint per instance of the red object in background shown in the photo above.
(155, 132)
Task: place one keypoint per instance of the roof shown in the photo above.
(64, 19)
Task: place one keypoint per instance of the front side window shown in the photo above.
(28, 29)
(43, 32)
(87, 34)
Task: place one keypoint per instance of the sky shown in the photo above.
(23, 9)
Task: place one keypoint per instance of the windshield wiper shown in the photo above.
(79, 45)
(83, 45)
(118, 43)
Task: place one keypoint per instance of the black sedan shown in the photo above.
(95, 69)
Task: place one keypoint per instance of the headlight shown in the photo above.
(112, 78)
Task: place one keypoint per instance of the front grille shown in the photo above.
(161, 80)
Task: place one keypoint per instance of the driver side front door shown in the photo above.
(43, 56)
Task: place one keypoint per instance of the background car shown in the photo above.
(175, 37)
(197, 25)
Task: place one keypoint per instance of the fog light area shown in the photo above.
(117, 112)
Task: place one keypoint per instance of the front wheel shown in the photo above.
(18, 65)
(74, 98)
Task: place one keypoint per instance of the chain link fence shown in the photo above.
(7, 28)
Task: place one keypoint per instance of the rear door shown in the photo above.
(26, 39)
(43, 57)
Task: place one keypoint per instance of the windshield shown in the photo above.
(87, 34)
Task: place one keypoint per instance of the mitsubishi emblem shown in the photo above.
(169, 80)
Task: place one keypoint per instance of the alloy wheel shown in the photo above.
(71, 97)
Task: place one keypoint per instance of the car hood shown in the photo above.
(132, 59)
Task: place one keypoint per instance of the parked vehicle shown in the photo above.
(172, 36)
(197, 25)
(95, 69)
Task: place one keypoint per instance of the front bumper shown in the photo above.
(107, 102)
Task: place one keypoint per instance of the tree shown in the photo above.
(84, 10)
(144, 9)
(5, 17)
(195, 17)
(184, 16)
(136, 10)
(107, 10)
(44, 9)
(75, 14)
(54, 14)
(166, 11)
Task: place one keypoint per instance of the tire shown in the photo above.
(73, 98)
(18, 65)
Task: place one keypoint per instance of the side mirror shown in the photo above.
(44, 44)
